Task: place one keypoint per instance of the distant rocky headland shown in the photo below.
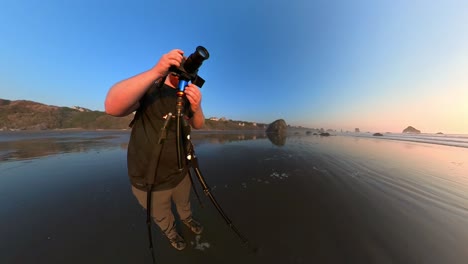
(30, 115)
(411, 130)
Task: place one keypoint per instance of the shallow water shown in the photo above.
(340, 199)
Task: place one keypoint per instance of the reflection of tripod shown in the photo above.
(184, 148)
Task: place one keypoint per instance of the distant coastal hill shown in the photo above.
(29, 115)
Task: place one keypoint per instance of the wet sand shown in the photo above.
(314, 200)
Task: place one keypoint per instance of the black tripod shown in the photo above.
(185, 152)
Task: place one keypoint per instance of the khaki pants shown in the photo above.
(161, 204)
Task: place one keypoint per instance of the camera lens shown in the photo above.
(203, 52)
(195, 60)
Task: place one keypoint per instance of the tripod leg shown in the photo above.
(195, 189)
(208, 193)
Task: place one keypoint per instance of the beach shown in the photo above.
(66, 198)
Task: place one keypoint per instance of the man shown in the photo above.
(153, 95)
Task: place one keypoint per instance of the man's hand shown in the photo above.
(194, 96)
(172, 58)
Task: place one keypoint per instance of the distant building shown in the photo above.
(357, 130)
(79, 108)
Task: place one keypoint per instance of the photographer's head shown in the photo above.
(172, 80)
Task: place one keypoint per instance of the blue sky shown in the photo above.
(376, 65)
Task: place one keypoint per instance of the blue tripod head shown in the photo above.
(182, 85)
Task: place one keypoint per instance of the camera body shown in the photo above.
(188, 69)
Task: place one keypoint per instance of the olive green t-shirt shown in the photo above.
(143, 147)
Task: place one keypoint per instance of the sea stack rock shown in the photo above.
(279, 126)
(277, 131)
(411, 130)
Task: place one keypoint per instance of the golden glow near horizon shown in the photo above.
(437, 102)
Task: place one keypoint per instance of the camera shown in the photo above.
(188, 69)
